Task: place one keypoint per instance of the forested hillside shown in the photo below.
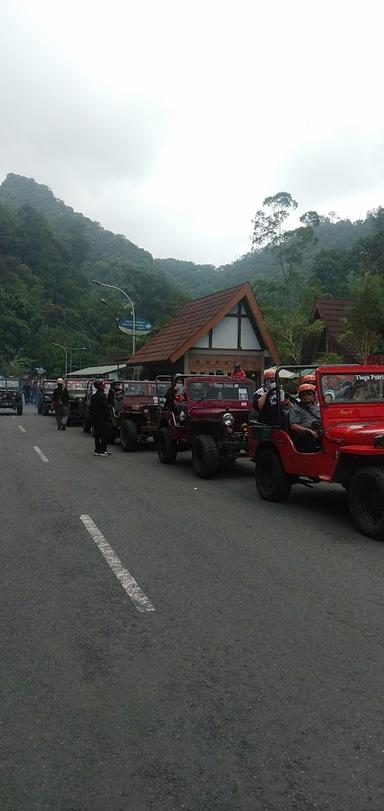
(102, 254)
(49, 254)
(200, 279)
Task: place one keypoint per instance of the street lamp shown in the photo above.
(69, 349)
(72, 350)
(65, 349)
(113, 287)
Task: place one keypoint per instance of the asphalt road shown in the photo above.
(255, 683)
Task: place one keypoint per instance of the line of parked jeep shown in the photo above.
(213, 422)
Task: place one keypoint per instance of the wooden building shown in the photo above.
(333, 313)
(209, 334)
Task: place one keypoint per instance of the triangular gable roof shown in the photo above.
(194, 320)
(333, 313)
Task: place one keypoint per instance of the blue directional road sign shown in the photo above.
(142, 325)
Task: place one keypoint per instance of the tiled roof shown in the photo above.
(333, 312)
(194, 320)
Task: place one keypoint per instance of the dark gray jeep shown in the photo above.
(11, 394)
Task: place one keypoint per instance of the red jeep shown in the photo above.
(351, 400)
(138, 417)
(211, 420)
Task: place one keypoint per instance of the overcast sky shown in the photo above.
(169, 122)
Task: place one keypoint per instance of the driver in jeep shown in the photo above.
(304, 420)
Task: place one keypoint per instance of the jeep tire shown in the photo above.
(205, 456)
(20, 409)
(166, 447)
(128, 435)
(45, 410)
(366, 501)
(272, 482)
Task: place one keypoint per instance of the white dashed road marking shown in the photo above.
(40, 453)
(139, 599)
(22, 429)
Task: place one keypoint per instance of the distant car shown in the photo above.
(44, 397)
(11, 394)
(212, 422)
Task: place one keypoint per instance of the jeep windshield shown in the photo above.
(138, 389)
(49, 385)
(362, 387)
(77, 386)
(9, 384)
(202, 390)
(144, 389)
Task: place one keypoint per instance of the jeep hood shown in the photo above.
(359, 433)
(216, 412)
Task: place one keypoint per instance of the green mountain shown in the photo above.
(84, 240)
(200, 279)
(113, 258)
(49, 254)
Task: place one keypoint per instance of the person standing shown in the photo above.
(27, 392)
(60, 400)
(100, 416)
(33, 396)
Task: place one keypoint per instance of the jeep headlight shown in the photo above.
(228, 419)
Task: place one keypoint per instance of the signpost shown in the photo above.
(142, 325)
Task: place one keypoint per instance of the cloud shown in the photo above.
(170, 122)
(57, 123)
(347, 172)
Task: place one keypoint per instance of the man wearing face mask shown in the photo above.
(265, 399)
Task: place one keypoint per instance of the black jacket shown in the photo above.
(60, 396)
(99, 410)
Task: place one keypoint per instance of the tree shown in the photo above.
(286, 246)
(365, 319)
(331, 268)
(268, 227)
(17, 321)
(289, 329)
(368, 253)
(311, 219)
(329, 358)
